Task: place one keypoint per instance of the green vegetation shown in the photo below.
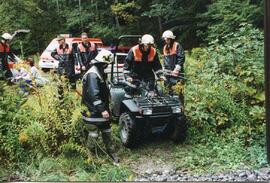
(44, 140)
(224, 105)
(195, 22)
(225, 102)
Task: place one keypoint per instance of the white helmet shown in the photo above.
(168, 34)
(147, 39)
(6, 36)
(104, 56)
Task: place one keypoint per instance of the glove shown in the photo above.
(175, 73)
(129, 79)
(105, 115)
(162, 78)
(151, 94)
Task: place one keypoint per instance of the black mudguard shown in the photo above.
(129, 105)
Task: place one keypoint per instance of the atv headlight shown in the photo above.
(176, 109)
(147, 111)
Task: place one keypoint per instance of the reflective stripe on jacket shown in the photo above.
(95, 95)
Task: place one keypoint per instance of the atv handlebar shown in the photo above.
(167, 73)
(131, 84)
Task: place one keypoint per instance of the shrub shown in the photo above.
(225, 84)
(13, 117)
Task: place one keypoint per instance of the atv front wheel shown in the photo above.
(129, 130)
(177, 130)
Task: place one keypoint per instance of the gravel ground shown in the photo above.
(262, 174)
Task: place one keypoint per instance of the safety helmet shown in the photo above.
(147, 39)
(168, 34)
(104, 56)
(6, 36)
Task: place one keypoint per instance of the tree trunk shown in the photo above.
(57, 6)
(160, 25)
(116, 19)
(80, 11)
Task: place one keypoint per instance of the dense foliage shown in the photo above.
(225, 17)
(225, 88)
(44, 139)
(194, 22)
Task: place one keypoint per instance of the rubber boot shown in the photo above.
(72, 82)
(92, 138)
(107, 139)
(73, 86)
(91, 142)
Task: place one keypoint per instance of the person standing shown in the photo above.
(63, 53)
(174, 59)
(95, 100)
(87, 52)
(174, 55)
(5, 52)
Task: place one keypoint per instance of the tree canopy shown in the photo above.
(195, 22)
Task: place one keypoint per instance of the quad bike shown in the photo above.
(144, 114)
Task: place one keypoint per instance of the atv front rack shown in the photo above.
(157, 106)
(157, 102)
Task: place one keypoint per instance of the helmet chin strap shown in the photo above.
(105, 66)
(101, 65)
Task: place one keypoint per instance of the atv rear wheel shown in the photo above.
(129, 130)
(177, 130)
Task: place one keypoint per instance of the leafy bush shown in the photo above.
(40, 123)
(64, 130)
(13, 117)
(225, 86)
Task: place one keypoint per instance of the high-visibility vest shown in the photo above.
(61, 51)
(4, 48)
(138, 54)
(170, 51)
(83, 49)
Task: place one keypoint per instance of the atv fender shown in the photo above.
(129, 105)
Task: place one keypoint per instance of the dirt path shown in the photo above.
(156, 162)
(149, 165)
(151, 158)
